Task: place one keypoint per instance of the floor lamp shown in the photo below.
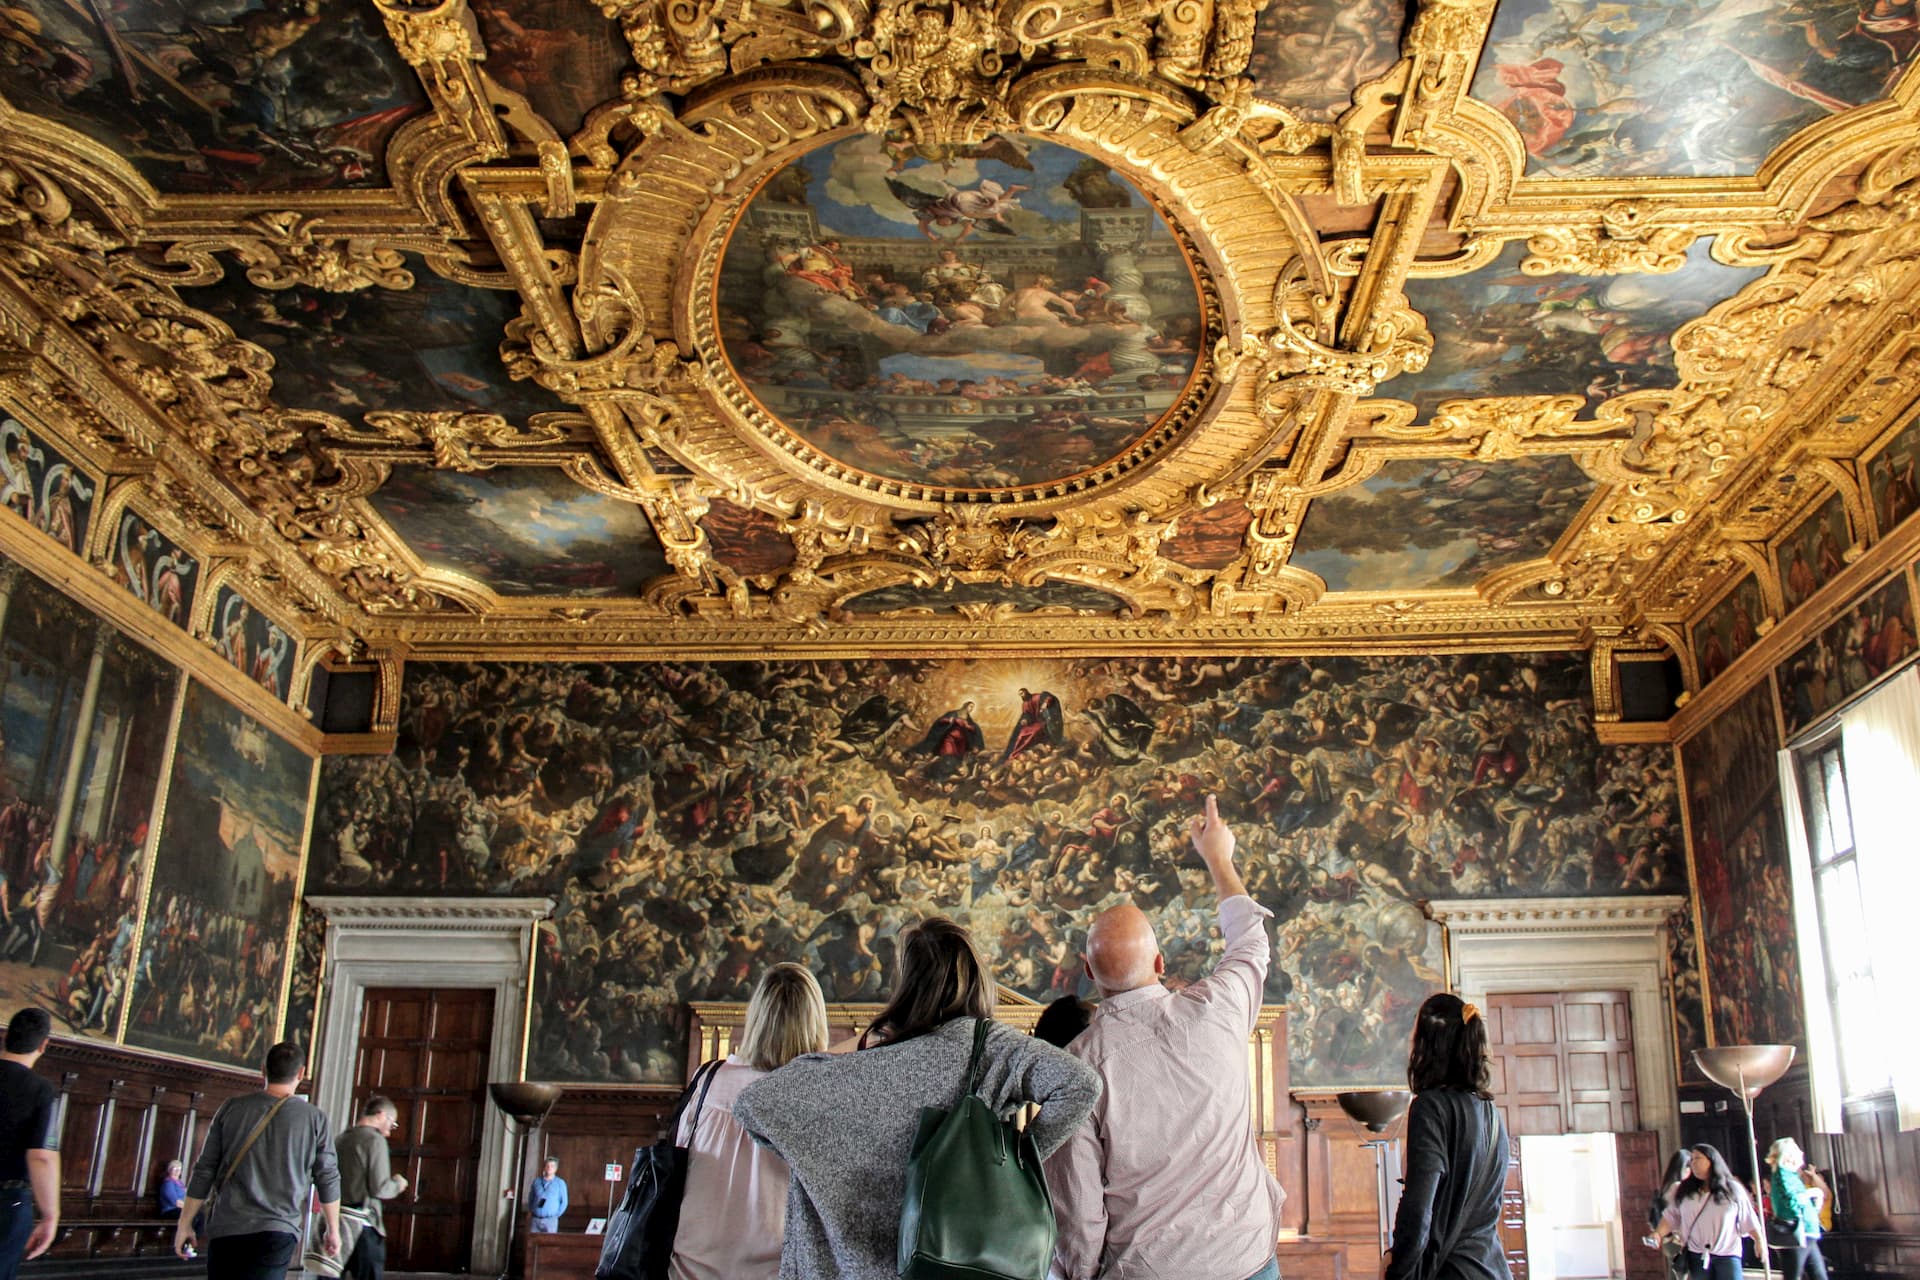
(1377, 1109)
(1747, 1069)
(528, 1104)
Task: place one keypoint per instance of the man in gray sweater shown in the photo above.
(367, 1178)
(264, 1152)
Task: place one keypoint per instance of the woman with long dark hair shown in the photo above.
(1449, 1219)
(845, 1123)
(1710, 1213)
(1663, 1199)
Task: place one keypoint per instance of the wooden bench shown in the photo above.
(112, 1247)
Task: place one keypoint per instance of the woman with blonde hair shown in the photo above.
(845, 1123)
(733, 1213)
(1796, 1202)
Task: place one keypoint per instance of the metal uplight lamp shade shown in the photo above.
(528, 1104)
(1378, 1109)
(1747, 1069)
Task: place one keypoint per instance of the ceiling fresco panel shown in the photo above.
(562, 56)
(432, 348)
(1211, 538)
(1431, 523)
(746, 541)
(522, 531)
(1683, 87)
(1048, 597)
(1311, 57)
(1000, 315)
(1498, 332)
(216, 96)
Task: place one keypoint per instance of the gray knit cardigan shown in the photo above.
(844, 1124)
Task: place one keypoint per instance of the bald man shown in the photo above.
(1165, 1179)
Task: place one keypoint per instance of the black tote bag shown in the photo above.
(639, 1240)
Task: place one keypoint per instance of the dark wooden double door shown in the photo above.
(427, 1049)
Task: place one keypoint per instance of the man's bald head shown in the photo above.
(1122, 953)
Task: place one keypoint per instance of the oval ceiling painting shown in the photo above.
(998, 316)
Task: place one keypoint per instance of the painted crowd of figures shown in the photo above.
(692, 821)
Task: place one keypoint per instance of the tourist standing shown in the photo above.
(1710, 1214)
(1168, 1178)
(549, 1198)
(733, 1214)
(845, 1123)
(1795, 1201)
(29, 1147)
(367, 1178)
(266, 1153)
(1448, 1224)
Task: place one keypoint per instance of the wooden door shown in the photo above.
(1563, 1062)
(1513, 1213)
(427, 1050)
(1640, 1162)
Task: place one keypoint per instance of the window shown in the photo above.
(1858, 1017)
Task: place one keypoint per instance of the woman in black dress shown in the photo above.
(1449, 1219)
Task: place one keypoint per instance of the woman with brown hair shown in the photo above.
(845, 1123)
(1448, 1224)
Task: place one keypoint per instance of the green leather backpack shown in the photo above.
(977, 1206)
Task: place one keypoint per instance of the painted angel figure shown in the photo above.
(986, 204)
(17, 452)
(1041, 721)
(233, 634)
(267, 663)
(60, 490)
(167, 591)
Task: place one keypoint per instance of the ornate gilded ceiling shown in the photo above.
(513, 326)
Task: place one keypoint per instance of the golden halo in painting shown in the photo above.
(1006, 316)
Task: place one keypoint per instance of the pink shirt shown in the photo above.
(733, 1216)
(1165, 1179)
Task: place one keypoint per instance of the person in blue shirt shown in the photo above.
(172, 1190)
(548, 1199)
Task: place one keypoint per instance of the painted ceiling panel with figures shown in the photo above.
(495, 327)
(232, 96)
(1683, 87)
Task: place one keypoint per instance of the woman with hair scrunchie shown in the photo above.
(1449, 1219)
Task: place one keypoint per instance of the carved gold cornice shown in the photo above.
(1778, 389)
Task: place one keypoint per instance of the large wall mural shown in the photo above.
(1005, 314)
(216, 96)
(1683, 86)
(1740, 866)
(1870, 639)
(697, 822)
(74, 816)
(227, 867)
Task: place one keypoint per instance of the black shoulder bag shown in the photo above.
(639, 1240)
